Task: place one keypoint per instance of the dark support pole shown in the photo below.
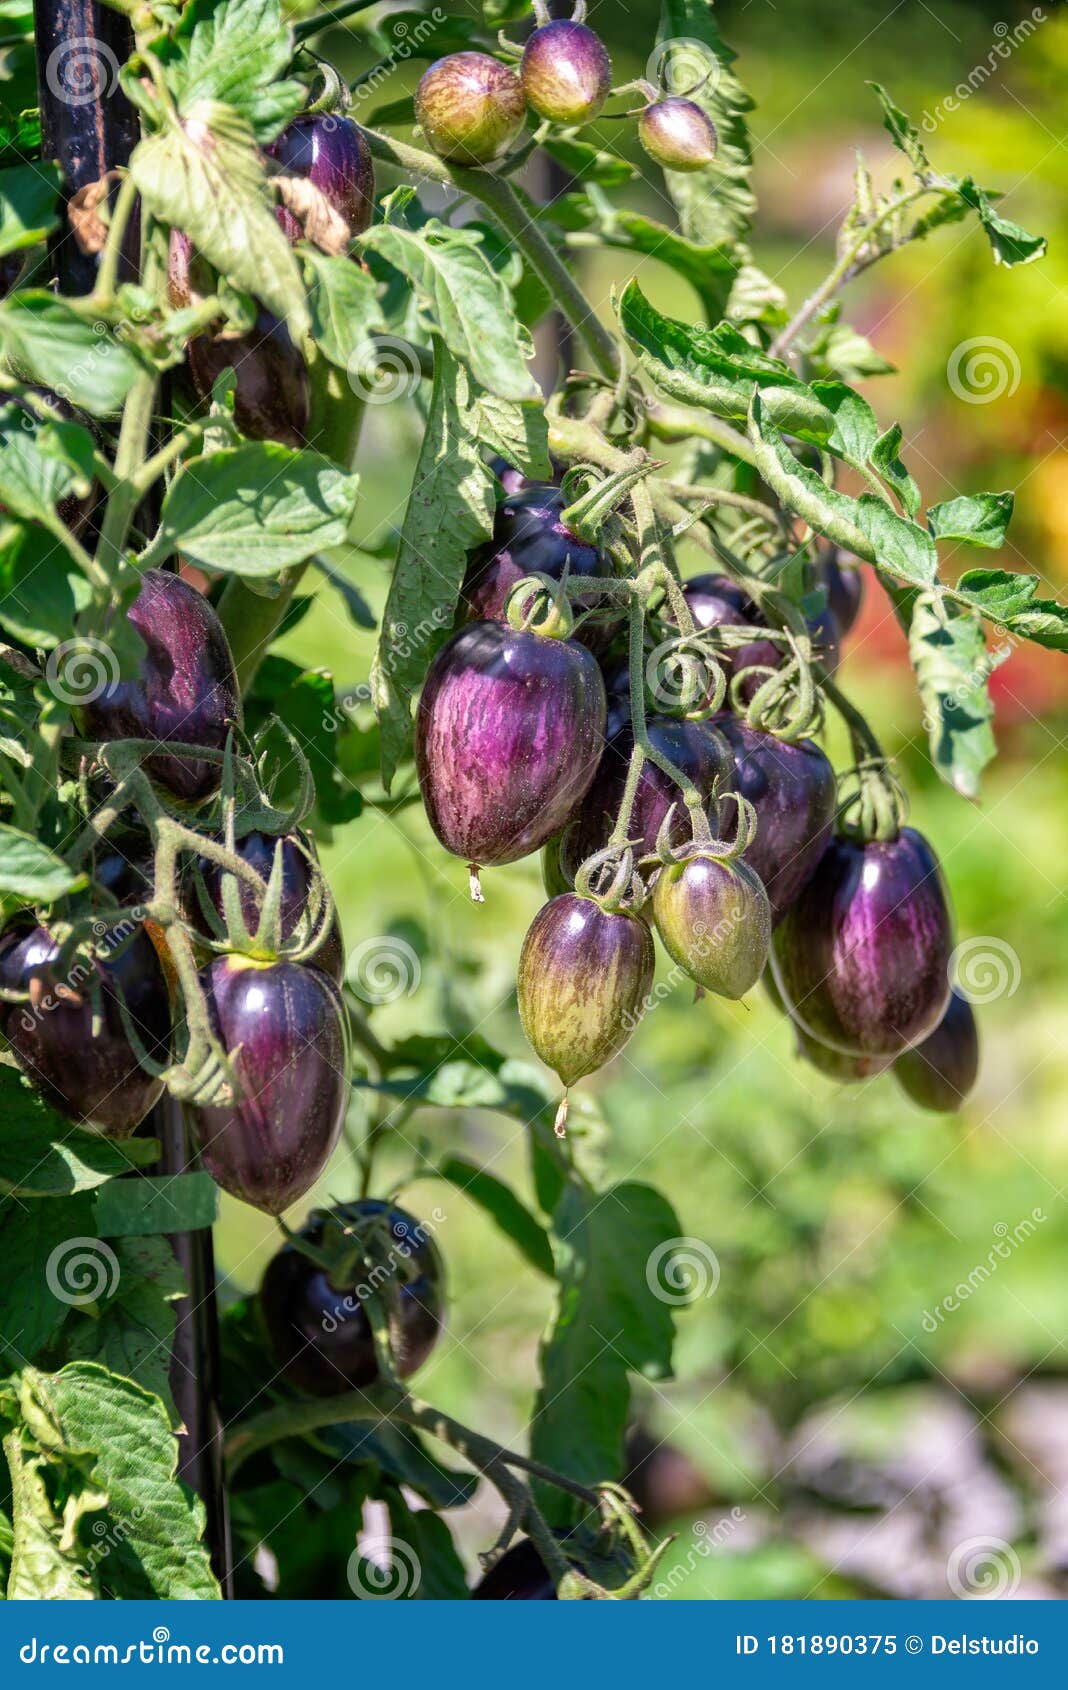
(89, 128)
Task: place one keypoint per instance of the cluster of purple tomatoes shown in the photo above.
(523, 743)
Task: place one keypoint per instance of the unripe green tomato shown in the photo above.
(470, 107)
(583, 982)
(715, 920)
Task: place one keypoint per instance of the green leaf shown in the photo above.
(589, 163)
(236, 51)
(343, 302)
(42, 1155)
(208, 179)
(952, 665)
(169, 1203)
(840, 350)
(30, 870)
(254, 510)
(902, 131)
(155, 1525)
(132, 1333)
(609, 1322)
(1010, 243)
(717, 369)
(29, 205)
(425, 1565)
(47, 1560)
(503, 1207)
(32, 479)
(450, 508)
(400, 1452)
(711, 270)
(1009, 600)
(41, 587)
(981, 519)
(464, 300)
(717, 204)
(57, 345)
(855, 428)
(51, 1256)
(886, 461)
(421, 35)
(900, 547)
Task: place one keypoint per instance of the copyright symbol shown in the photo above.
(914, 1645)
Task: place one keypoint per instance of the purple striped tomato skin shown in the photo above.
(508, 735)
(529, 539)
(715, 922)
(566, 72)
(793, 790)
(185, 689)
(695, 750)
(470, 107)
(678, 134)
(92, 1076)
(862, 957)
(282, 1027)
(584, 977)
(332, 153)
(940, 1071)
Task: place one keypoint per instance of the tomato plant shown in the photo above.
(188, 344)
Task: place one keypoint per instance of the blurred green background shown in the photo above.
(833, 1429)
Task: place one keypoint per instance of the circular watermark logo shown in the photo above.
(682, 1270)
(678, 676)
(80, 670)
(81, 1271)
(384, 369)
(80, 71)
(683, 65)
(984, 969)
(987, 1568)
(982, 370)
(383, 1569)
(384, 969)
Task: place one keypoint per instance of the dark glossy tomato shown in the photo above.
(282, 1027)
(185, 689)
(318, 1326)
(88, 1071)
(332, 153)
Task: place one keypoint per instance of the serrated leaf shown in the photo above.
(424, 1555)
(450, 508)
(32, 480)
(155, 1525)
(41, 587)
(503, 1207)
(29, 205)
(716, 204)
(840, 350)
(59, 347)
(30, 870)
(235, 51)
(855, 428)
(208, 179)
(131, 1334)
(1010, 243)
(902, 131)
(949, 655)
(608, 1323)
(254, 510)
(886, 460)
(167, 1203)
(980, 519)
(42, 1155)
(1009, 600)
(344, 307)
(47, 1561)
(464, 300)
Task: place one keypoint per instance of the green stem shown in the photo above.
(621, 831)
(672, 423)
(501, 201)
(108, 270)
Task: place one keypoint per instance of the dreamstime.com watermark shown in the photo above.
(399, 644)
(706, 1538)
(157, 1651)
(1006, 1243)
(404, 1242)
(46, 998)
(1008, 38)
(383, 969)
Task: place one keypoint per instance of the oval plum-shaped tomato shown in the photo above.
(83, 1062)
(508, 736)
(940, 1071)
(715, 920)
(319, 1329)
(185, 689)
(862, 957)
(583, 982)
(282, 1027)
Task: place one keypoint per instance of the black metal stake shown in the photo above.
(89, 128)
